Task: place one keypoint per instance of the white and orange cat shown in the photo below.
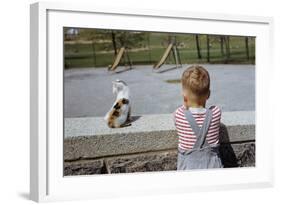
(119, 114)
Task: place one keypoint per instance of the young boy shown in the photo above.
(197, 127)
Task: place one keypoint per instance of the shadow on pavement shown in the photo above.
(167, 69)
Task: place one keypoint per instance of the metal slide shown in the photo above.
(164, 57)
(117, 59)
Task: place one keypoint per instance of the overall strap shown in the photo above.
(200, 133)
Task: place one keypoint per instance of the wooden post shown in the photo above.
(128, 59)
(175, 56)
(179, 57)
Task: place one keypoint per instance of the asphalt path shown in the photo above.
(88, 91)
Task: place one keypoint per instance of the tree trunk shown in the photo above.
(208, 49)
(198, 46)
(247, 47)
(227, 48)
(228, 44)
(94, 54)
(114, 42)
(148, 44)
(221, 42)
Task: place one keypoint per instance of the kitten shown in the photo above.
(119, 114)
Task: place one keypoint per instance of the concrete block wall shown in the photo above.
(150, 144)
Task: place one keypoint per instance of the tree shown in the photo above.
(221, 44)
(198, 46)
(247, 47)
(91, 35)
(227, 48)
(114, 42)
(129, 39)
(208, 48)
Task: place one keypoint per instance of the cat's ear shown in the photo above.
(115, 84)
(115, 81)
(118, 85)
(114, 89)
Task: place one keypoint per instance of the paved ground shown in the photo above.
(88, 92)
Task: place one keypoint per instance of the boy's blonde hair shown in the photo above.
(196, 79)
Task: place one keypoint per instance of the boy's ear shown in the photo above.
(184, 98)
(209, 94)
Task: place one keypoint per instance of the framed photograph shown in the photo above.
(128, 101)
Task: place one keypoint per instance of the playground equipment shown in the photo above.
(172, 47)
(122, 54)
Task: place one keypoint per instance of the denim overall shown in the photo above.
(202, 155)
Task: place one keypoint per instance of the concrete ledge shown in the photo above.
(93, 126)
(89, 138)
(150, 144)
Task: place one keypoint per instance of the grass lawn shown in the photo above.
(151, 50)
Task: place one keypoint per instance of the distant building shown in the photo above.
(71, 33)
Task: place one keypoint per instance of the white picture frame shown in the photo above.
(46, 139)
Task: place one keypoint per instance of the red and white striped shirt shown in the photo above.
(186, 136)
